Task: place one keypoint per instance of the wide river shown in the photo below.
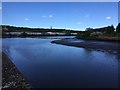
(47, 65)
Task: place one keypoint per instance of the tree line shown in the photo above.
(25, 30)
(88, 33)
(109, 31)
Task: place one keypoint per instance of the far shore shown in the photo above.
(104, 46)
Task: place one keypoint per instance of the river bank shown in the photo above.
(112, 47)
(11, 76)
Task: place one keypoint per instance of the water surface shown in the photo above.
(48, 65)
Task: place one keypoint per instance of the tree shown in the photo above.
(110, 29)
(118, 28)
(24, 34)
(89, 29)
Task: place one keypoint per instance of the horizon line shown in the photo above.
(58, 28)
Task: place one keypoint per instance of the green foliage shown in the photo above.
(89, 29)
(24, 34)
(110, 29)
(26, 29)
(84, 35)
(87, 34)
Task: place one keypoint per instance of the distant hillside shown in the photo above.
(26, 29)
(108, 33)
(12, 31)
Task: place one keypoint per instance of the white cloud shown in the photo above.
(79, 23)
(44, 16)
(108, 17)
(0, 8)
(27, 19)
(47, 16)
(87, 16)
(50, 16)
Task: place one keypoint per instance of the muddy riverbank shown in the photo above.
(112, 47)
(11, 76)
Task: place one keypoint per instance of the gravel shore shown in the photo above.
(11, 77)
(112, 47)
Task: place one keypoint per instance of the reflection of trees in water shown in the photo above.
(87, 50)
(88, 53)
(93, 52)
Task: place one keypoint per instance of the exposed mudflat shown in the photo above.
(112, 47)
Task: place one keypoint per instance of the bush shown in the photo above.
(24, 34)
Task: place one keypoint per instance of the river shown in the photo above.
(48, 65)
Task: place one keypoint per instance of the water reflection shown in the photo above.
(48, 65)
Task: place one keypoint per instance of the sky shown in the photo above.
(66, 15)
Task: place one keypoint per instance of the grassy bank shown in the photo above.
(108, 33)
(99, 37)
(102, 38)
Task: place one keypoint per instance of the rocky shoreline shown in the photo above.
(89, 44)
(11, 76)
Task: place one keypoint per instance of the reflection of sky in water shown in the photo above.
(51, 65)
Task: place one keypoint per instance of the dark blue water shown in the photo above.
(48, 65)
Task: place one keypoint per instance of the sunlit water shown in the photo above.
(48, 65)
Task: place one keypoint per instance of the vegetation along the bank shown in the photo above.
(108, 33)
(13, 31)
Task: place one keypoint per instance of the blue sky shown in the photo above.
(77, 15)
